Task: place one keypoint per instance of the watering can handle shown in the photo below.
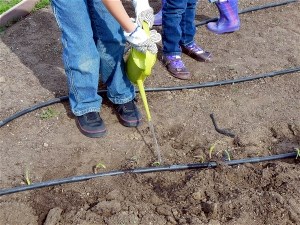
(146, 28)
(147, 31)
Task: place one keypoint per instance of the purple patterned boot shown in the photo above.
(229, 20)
(158, 16)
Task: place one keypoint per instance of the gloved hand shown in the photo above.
(143, 12)
(141, 41)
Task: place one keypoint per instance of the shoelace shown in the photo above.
(129, 106)
(195, 47)
(92, 116)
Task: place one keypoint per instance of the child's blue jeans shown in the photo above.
(178, 25)
(93, 44)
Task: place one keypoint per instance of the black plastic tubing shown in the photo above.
(157, 89)
(144, 170)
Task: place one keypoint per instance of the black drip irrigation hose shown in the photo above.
(170, 88)
(250, 9)
(178, 167)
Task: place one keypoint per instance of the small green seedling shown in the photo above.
(235, 90)
(98, 166)
(200, 158)
(298, 152)
(27, 179)
(134, 159)
(156, 164)
(227, 154)
(49, 113)
(211, 149)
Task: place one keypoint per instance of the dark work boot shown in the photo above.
(91, 125)
(128, 114)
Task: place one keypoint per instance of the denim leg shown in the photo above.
(110, 44)
(173, 11)
(188, 23)
(80, 55)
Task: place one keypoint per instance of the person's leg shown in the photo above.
(173, 11)
(158, 16)
(188, 27)
(80, 55)
(229, 18)
(81, 62)
(111, 43)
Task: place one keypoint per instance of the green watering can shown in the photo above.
(138, 68)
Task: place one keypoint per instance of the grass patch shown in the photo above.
(41, 4)
(7, 4)
(48, 114)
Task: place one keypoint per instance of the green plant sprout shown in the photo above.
(156, 164)
(49, 113)
(227, 155)
(134, 159)
(200, 158)
(27, 179)
(298, 152)
(211, 149)
(98, 166)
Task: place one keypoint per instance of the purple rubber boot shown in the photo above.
(229, 20)
(158, 16)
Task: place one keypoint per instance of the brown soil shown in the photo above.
(263, 113)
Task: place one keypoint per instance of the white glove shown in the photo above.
(143, 12)
(141, 41)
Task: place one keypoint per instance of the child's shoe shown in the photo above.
(196, 52)
(176, 67)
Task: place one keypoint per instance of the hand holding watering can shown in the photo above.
(140, 61)
(142, 39)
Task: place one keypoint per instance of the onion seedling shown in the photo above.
(27, 179)
(298, 152)
(211, 149)
(99, 165)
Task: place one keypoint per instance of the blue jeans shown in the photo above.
(178, 25)
(93, 44)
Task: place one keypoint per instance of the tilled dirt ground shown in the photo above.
(263, 114)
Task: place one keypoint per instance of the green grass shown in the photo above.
(48, 113)
(41, 4)
(7, 4)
